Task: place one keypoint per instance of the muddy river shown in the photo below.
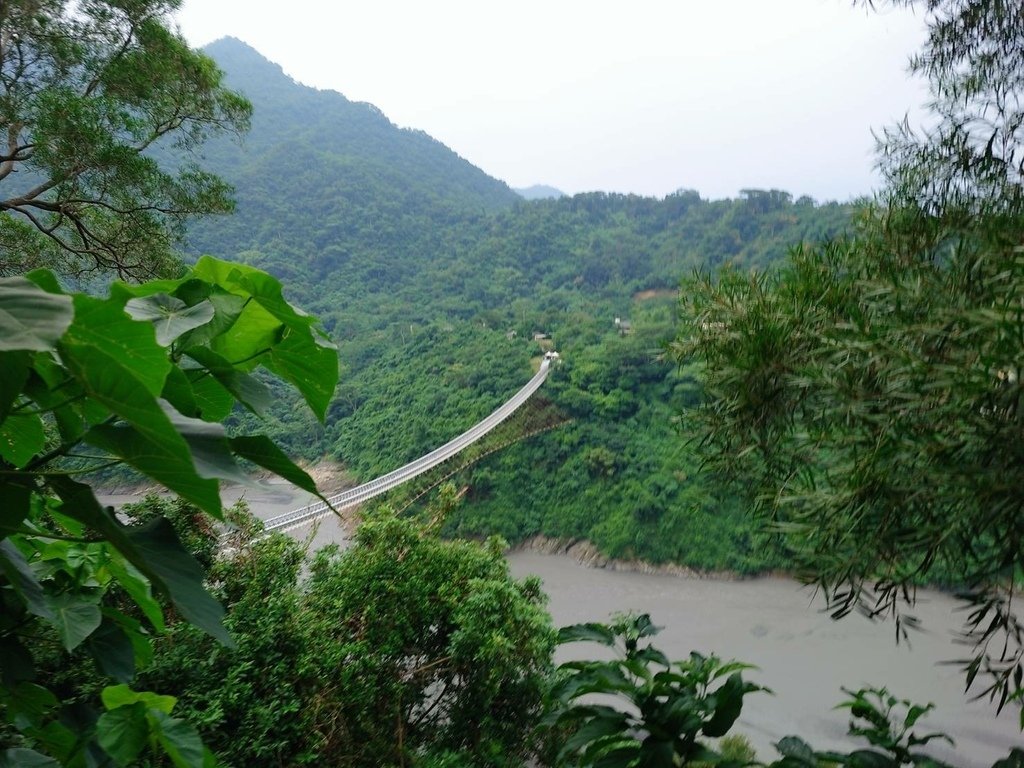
(774, 623)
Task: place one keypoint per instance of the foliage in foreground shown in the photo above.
(88, 90)
(400, 650)
(653, 713)
(141, 377)
(869, 394)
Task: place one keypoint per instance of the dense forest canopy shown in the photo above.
(423, 271)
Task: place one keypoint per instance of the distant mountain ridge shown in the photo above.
(539, 192)
(316, 161)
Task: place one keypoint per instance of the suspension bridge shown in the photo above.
(355, 496)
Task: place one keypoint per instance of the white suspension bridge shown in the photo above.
(355, 496)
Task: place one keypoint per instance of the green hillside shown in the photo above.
(434, 279)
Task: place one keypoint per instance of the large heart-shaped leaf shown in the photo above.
(31, 318)
(104, 327)
(75, 617)
(170, 316)
(155, 550)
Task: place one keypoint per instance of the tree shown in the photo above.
(399, 649)
(142, 377)
(868, 394)
(95, 98)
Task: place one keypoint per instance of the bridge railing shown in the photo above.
(354, 496)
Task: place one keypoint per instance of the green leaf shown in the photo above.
(117, 696)
(227, 309)
(606, 724)
(142, 648)
(113, 651)
(31, 318)
(103, 326)
(728, 704)
(181, 575)
(262, 451)
(178, 392)
(123, 732)
(137, 587)
(26, 758)
(150, 444)
(21, 438)
(75, 617)
(155, 550)
(797, 749)
(14, 368)
(179, 739)
(308, 366)
(170, 316)
(250, 337)
(208, 443)
(245, 388)
(591, 632)
(27, 704)
(213, 401)
(23, 580)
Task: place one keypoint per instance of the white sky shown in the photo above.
(647, 96)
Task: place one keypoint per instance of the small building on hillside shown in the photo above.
(624, 327)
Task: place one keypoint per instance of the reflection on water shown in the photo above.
(804, 656)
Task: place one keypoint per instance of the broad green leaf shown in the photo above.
(227, 309)
(137, 587)
(262, 451)
(170, 316)
(250, 337)
(46, 280)
(113, 651)
(213, 401)
(211, 452)
(116, 696)
(591, 632)
(26, 758)
(28, 703)
(142, 648)
(179, 739)
(23, 580)
(104, 327)
(14, 367)
(728, 704)
(178, 392)
(170, 466)
(248, 390)
(155, 550)
(797, 749)
(150, 444)
(308, 366)
(31, 318)
(21, 438)
(17, 500)
(75, 617)
(124, 292)
(123, 732)
(606, 724)
(157, 542)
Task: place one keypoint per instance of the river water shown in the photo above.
(804, 656)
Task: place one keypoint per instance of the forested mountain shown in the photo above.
(435, 278)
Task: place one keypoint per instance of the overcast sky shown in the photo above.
(648, 96)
